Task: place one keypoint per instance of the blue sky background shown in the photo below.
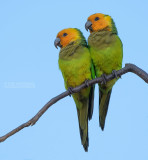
(30, 77)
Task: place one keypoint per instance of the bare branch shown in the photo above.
(128, 68)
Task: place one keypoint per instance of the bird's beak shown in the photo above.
(88, 25)
(57, 43)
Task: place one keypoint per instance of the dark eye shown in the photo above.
(64, 34)
(97, 18)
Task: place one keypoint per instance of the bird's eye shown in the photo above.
(64, 34)
(97, 18)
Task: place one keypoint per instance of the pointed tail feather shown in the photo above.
(91, 103)
(103, 107)
(84, 141)
(83, 126)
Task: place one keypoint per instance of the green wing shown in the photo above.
(91, 96)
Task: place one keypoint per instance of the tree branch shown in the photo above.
(128, 68)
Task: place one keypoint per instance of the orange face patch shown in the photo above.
(100, 22)
(68, 35)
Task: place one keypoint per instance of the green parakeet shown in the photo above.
(106, 52)
(76, 67)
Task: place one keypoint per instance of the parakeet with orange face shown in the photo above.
(106, 52)
(76, 67)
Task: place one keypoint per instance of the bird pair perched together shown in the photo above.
(80, 62)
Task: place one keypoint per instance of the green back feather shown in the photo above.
(83, 40)
(114, 29)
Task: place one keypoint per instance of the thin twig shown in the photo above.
(128, 68)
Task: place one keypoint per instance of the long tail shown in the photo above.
(83, 126)
(103, 107)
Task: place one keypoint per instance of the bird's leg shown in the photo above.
(70, 91)
(114, 72)
(86, 82)
(103, 79)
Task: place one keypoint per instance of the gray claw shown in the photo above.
(70, 91)
(103, 79)
(114, 72)
(86, 83)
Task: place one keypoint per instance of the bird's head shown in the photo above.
(100, 22)
(67, 36)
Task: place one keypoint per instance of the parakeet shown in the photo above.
(76, 67)
(106, 51)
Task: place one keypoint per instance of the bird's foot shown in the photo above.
(70, 90)
(103, 79)
(114, 72)
(86, 83)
